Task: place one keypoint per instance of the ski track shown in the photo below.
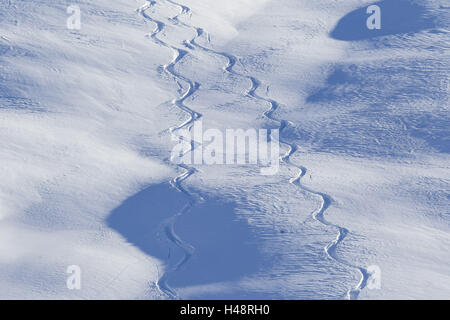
(326, 200)
(176, 182)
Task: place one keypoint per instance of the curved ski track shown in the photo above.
(176, 182)
(326, 200)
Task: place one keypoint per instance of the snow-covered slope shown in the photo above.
(86, 118)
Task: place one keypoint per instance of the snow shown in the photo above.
(86, 119)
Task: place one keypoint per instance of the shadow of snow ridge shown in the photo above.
(397, 17)
(225, 248)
